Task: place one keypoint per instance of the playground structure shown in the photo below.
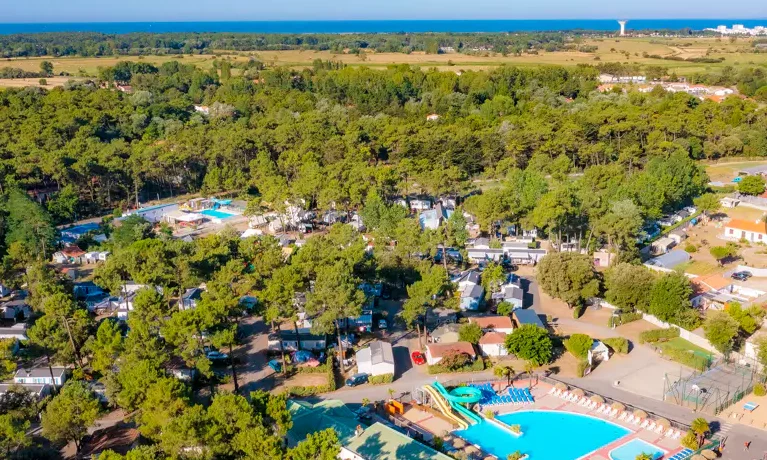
(713, 390)
(451, 403)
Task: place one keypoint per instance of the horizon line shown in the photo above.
(387, 20)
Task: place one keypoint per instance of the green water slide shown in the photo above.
(458, 396)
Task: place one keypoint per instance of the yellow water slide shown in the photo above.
(444, 407)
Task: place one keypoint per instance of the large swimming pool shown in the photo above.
(547, 435)
(216, 214)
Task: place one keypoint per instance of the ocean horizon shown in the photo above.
(373, 26)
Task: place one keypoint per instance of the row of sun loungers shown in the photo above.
(515, 396)
(612, 412)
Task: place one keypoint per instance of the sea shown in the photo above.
(380, 26)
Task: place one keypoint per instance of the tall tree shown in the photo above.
(70, 413)
(568, 276)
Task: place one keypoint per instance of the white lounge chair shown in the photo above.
(637, 420)
(644, 424)
(650, 427)
(669, 433)
(613, 413)
(552, 390)
(564, 394)
(623, 416)
(659, 429)
(677, 434)
(601, 409)
(593, 405)
(556, 392)
(584, 402)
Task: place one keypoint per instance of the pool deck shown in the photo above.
(546, 401)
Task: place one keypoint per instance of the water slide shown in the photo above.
(459, 396)
(444, 406)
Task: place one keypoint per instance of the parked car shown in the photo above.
(216, 355)
(418, 358)
(741, 276)
(275, 365)
(382, 324)
(356, 379)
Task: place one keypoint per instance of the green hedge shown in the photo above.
(578, 311)
(379, 379)
(623, 318)
(687, 358)
(618, 344)
(313, 370)
(476, 366)
(314, 390)
(658, 335)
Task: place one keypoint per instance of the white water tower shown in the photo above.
(623, 27)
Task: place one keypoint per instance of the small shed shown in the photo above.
(598, 352)
(670, 260)
(729, 202)
(493, 344)
(376, 359)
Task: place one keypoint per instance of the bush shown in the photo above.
(476, 366)
(379, 379)
(759, 390)
(689, 441)
(453, 360)
(489, 414)
(579, 345)
(623, 318)
(578, 311)
(312, 370)
(658, 335)
(618, 344)
(690, 248)
(583, 365)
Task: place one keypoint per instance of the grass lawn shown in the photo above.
(736, 55)
(700, 268)
(681, 344)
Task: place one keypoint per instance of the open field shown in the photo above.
(608, 50)
(51, 82)
(725, 172)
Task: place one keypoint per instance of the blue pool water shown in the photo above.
(546, 435)
(217, 214)
(631, 449)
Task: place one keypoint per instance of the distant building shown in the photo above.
(752, 231)
(670, 259)
(493, 344)
(494, 323)
(153, 214)
(390, 444)
(41, 375)
(527, 316)
(432, 117)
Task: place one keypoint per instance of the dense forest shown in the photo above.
(97, 44)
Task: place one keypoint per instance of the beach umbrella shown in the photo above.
(560, 386)
(663, 422)
(708, 453)
(471, 450)
(459, 443)
(619, 406)
(577, 392)
(598, 399)
(640, 414)
(698, 457)
(489, 457)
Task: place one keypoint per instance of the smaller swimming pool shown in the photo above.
(633, 448)
(216, 214)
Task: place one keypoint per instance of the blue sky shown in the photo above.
(266, 10)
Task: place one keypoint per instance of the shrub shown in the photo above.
(658, 335)
(489, 414)
(313, 370)
(759, 390)
(579, 345)
(618, 344)
(515, 428)
(689, 441)
(690, 248)
(517, 455)
(476, 366)
(583, 365)
(453, 360)
(379, 379)
(470, 332)
(578, 311)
